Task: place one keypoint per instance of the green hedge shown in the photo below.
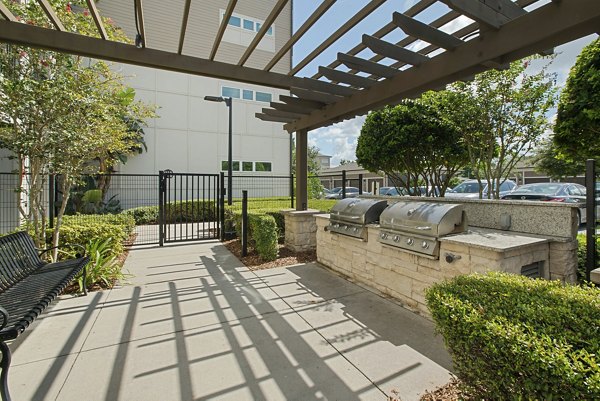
(175, 212)
(143, 214)
(582, 256)
(263, 233)
(514, 338)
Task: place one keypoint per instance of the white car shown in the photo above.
(470, 189)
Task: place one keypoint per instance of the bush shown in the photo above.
(262, 234)
(512, 337)
(143, 214)
(103, 268)
(582, 256)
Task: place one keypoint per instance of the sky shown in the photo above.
(339, 140)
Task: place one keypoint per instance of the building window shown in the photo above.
(247, 166)
(230, 92)
(262, 166)
(248, 95)
(235, 165)
(263, 97)
(269, 31)
(235, 21)
(249, 25)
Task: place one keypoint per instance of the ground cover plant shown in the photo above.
(512, 337)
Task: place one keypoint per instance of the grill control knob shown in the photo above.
(410, 241)
(355, 229)
(425, 245)
(345, 228)
(383, 235)
(336, 226)
(396, 238)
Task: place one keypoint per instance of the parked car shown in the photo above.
(392, 191)
(470, 189)
(336, 193)
(552, 192)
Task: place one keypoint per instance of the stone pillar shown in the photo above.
(563, 261)
(300, 230)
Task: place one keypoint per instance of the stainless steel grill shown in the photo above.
(350, 216)
(417, 226)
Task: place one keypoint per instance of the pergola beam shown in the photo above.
(314, 95)
(139, 9)
(97, 19)
(425, 32)
(294, 108)
(222, 28)
(351, 23)
(273, 119)
(308, 104)
(393, 51)
(479, 11)
(282, 114)
(310, 21)
(49, 11)
(550, 25)
(354, 80)
(371, 67)
(87, 46)
(263, 30)
(326, 87)
(6, 13)
(184, 22)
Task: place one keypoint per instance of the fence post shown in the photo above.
(360, 184)
(244, 223)
(161, 208)
(292, 190)
(590, 212)
(222, 206)
(343, 184)
(51, 198)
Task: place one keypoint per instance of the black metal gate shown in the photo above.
(189, 207)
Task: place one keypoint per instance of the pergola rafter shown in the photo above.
(428, 56)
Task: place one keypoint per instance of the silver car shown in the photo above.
(470, 189)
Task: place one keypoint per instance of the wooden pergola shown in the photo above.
(502, 31)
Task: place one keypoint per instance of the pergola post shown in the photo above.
(302, 169)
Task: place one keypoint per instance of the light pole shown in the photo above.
(229, 103)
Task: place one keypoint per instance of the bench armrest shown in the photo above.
(4, 316)
(79, 255)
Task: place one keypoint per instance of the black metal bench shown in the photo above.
(27, 286)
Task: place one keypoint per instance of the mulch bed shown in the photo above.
(447, 392)
(285, 256)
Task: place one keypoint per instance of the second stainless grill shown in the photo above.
(349, 216)
(417, 226)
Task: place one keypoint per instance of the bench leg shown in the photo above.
(4, 375)
(85, 280)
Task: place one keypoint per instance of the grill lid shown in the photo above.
(357, 210)
(424, 218)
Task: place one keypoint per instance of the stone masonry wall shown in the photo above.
(406, 276)
(300, 230)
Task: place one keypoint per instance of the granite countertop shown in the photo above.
(493, 240)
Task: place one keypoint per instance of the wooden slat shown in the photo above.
(294, 108)
(284, 114)
(318, 13)
(327, 87)
(97, 19)
(49, 11)
(140, 20)
(273, 119)
(263, 30)
(6, 13)
(425, 32)
(508, 8)
(371, 67)
(393, 51)
(362, 14)
(479, 12)
(184, 22)
(354, 80)
(222, 28)
(315, 95)
(301, 102)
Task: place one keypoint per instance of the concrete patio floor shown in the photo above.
(194, 324)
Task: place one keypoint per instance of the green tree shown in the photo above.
(63, 112)
(502, 116)
(577, 126)
(549, 160)
(413, 144)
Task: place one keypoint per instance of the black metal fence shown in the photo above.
(592, 181)
(265, 192)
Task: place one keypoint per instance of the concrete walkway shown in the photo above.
(194, 324)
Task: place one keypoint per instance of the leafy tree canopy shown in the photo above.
(577, 129)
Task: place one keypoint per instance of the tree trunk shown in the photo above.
(65, 187)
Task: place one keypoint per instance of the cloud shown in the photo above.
(338, 140)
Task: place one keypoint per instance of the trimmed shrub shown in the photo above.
(262, 235)
(514, 338)
(582, 256)
(143, 214)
